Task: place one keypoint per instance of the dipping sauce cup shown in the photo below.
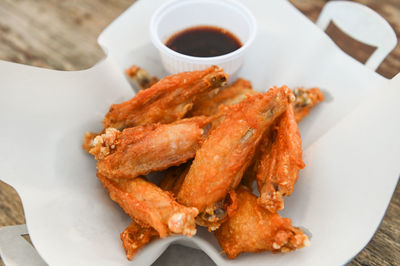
(179, 15)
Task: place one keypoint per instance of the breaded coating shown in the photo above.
(166, 101)
(136, 236)
(230, 95)
(212, 217)
(306, 99)
(252, 228)
(213, 141)
(88, 140)
(280, 162)
(220, 162)
(216, 214)
(149, 205)
(173, 178)
(143, 149)
(250, 175)
(139, 77)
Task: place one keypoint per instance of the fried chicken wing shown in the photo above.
(136, 236)
(220, 162)
(139, 77)
(235, 135)
(149, 205)
(230, 95)
(166, 101)
(280, 162)
(252, 228)
(144, 149)
(172, 182)
(306, 99)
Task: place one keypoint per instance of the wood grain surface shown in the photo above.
(62, 35)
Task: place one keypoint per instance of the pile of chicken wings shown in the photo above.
(213, 142)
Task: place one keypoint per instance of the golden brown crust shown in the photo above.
(154, 138)
(149, 205)
(213, 216)
(166, 101)
(144, 149)
(88, 140)
(220, 162)
(280, 162)
(209, 104)
(306, 99)
(252, 228)
(135, 237)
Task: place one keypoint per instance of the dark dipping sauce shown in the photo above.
(204, 41)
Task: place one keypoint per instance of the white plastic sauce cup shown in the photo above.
(178, 15)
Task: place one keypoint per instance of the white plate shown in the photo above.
(351, 142)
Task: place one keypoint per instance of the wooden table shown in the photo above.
(62, 35)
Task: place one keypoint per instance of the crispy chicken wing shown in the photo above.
(252, 228)
(136, 236)
(149, 205)
(173, 180)
(220, 162)
(144, 149)
(230, 95)
(166, 101)
(280, 162)
(306, 99)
